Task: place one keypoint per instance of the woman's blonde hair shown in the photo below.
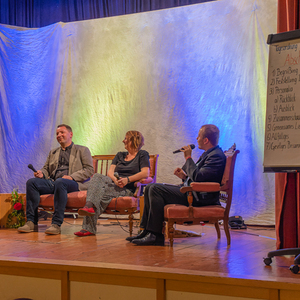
(136, 139)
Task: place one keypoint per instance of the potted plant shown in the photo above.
(17, 217)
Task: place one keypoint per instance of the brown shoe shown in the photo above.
(28, 227)
(53, 229)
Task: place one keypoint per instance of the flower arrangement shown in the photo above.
(17, 217)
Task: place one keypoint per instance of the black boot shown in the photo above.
(150, 239)
(139, 236)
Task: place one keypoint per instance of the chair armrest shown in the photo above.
(140, 185)
(201, 187)
(143, 181)
(205, 186)
(186, 189)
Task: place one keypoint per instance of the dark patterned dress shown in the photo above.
(102, 189)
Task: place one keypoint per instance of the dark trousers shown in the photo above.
(39, 186)
(156, 196)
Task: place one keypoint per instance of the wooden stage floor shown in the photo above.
(197, 256)
(244, 257)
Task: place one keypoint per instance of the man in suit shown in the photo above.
(209, 168)
(68, 169)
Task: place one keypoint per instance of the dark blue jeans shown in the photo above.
(40, 186)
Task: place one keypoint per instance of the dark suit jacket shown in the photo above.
(80, 165)
(209, 168)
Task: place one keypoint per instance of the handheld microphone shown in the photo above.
(116, 174)
(30, 166)
(179, 150)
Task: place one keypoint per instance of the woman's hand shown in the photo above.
(122, 182)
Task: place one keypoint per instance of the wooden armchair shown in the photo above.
(125, 205)
(118, 206)
(181, 214)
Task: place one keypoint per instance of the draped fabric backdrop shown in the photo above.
(287, 194)
(164, 73)
(39, 13)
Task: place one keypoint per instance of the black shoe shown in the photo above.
(150, 239)
(139, 236)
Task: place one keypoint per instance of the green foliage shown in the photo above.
(16, 216)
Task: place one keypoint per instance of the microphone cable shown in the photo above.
(118, 220)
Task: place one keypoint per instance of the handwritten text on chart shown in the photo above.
(283, 118)
(287, 71)
(274, 127)
(285, 98)
(292, 60)
(283, 115)
(280, 146)
(285, 48)
(284, 108)
(277, 90)
(277, 118)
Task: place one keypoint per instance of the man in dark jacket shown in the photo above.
(67, 169)
(209, 168)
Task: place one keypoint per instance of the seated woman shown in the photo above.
(126, 168)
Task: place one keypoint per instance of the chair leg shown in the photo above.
(218, 229)
(165, 229)
(227, 232)
(170, 229)
(130, 217)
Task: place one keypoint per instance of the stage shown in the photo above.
(105, 266)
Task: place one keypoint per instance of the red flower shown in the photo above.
(18, 206)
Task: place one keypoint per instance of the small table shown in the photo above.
(6, 207)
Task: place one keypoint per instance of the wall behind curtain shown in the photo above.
(164, 73)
